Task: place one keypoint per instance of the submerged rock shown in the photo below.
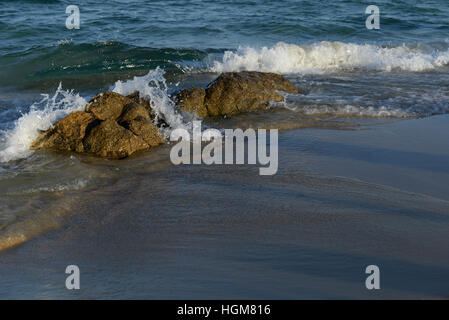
(112, 126)
(235, 92)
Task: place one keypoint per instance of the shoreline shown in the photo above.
(408, 155)
(328, 194)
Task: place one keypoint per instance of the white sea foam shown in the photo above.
(358, 111)
(65, 42)
(15, 143)
(42, 116)
(73, 185)
(329, 57)
(153, 87)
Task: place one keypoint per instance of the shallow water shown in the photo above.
(152, 230)
(361, 181)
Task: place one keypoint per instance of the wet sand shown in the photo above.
(341, 200)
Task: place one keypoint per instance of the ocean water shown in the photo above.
(199, 231)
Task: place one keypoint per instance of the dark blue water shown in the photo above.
(400, 70)
(127, 37)
(218, 24)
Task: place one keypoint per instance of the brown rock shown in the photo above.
(108, 105)
(137, 99)
(133, 111)
(67, 134)
(235, 92)
(192, 100)
(115, 126)
(161, 123)
(110, 140)
(145, 130)
(112, 126)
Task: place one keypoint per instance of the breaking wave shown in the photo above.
(329, 57)
(153, 88)
(282, 58)
(41, 116)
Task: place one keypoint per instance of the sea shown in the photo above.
(363, 152)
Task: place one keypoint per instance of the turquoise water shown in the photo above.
(343, 68)
(220, 24)
(198, 232)
(128, 37)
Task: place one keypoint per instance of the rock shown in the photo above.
(115, 126)
(137, 99)
(110, 140)
(108, 105)
(112, 126)
(161, 123)
(133, 111)
(235, 92)
(67, 134)
(192, 100)
(245, 91)
(146, 130)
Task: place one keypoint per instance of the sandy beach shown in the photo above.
(342, 200)
(98, 99)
